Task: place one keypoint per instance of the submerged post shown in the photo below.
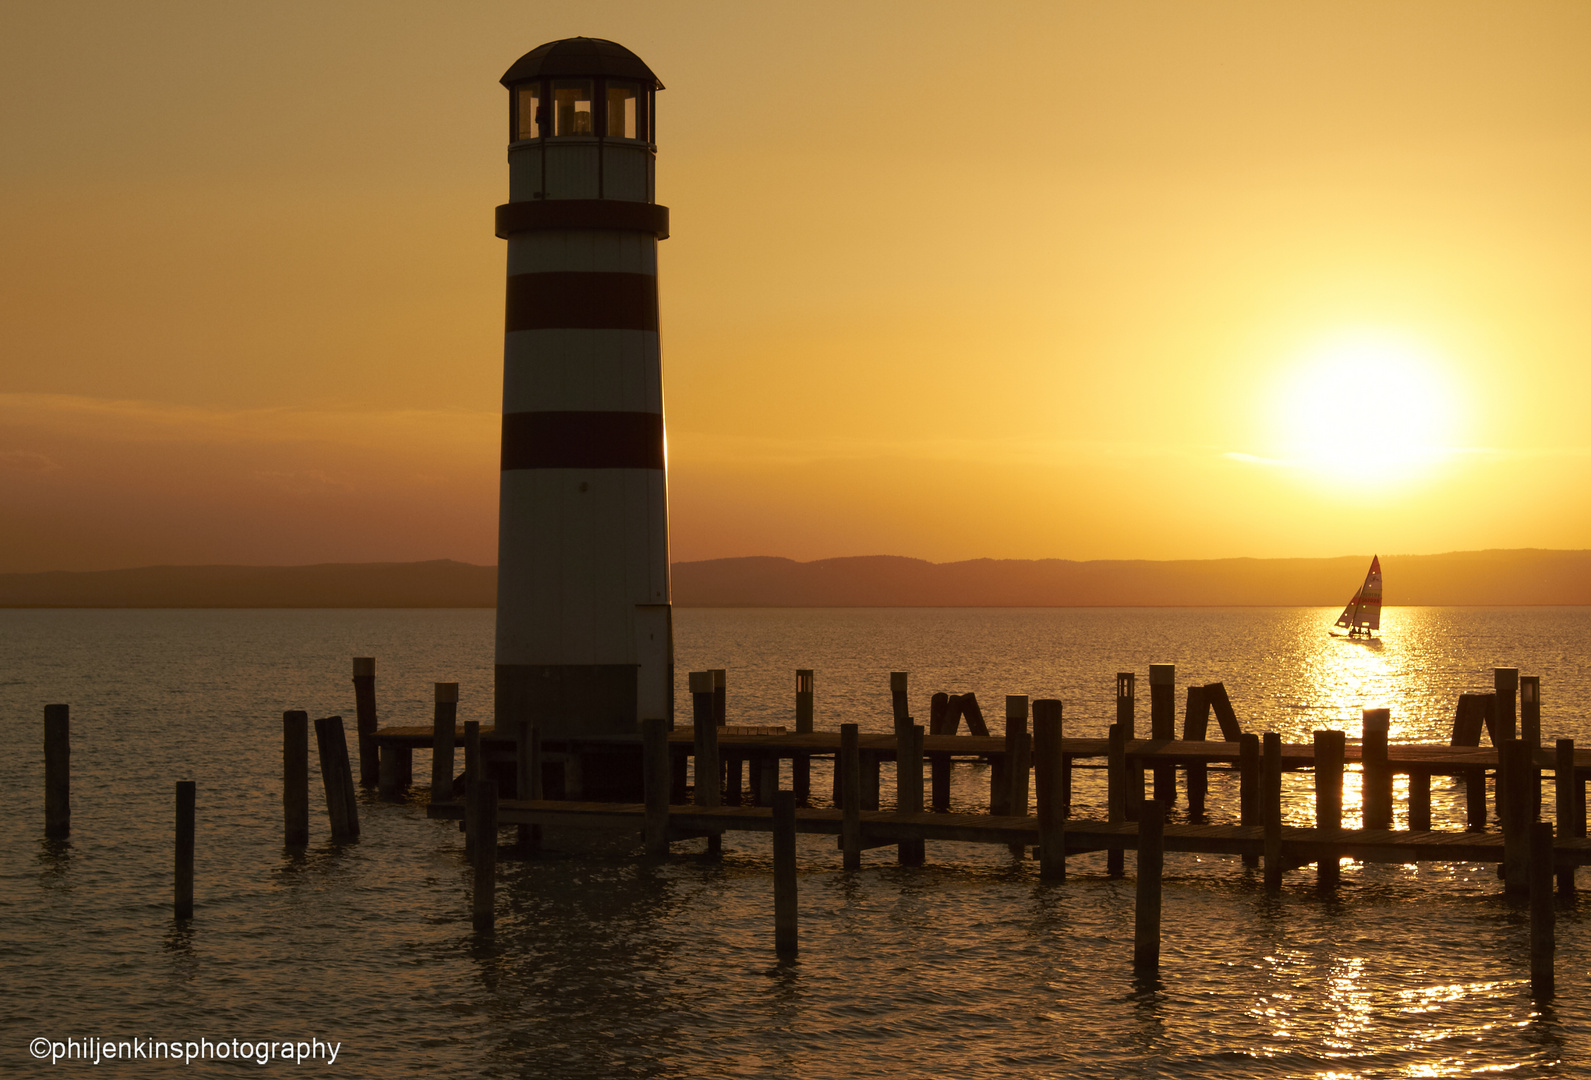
(1163, 725)
(295, 778)
(1514, 768)
(1543, 942)
(850, 770)
(1376, 773)
(1116, 795)
(1195, 728)
(185, 843)
(485, 896)
(654, 762)
(527, 781)
(444, 731)
(939, 762)
(1564, 784)
(1151, 867)
(909, 789)
(336, 775)
(1048, 768)
(1329, 755)
(1271, 809)
(1419, 800)
(1249, 787)
(472, 777)
(57, 771)
(784, 874)
(365, 719)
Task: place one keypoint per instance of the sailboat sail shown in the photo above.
(1363, 612)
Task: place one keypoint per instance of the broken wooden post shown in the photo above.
(784, 874)
(850, 770)
(1376, 775)
(1474, 716)
(1151, 867)
(899, 707)
(909, 789)
(1542, 943)
(1163, 725)
(1506, 682)
(655, 783)
(1248, 764)
(801, 764)
(472, 776)
(1231, 730)
(708, 777)
(1002, 769)
(336, 776)
(1530, 709)
(1271, 809)
(1195, 728)
(720, 696)
(1116, 795)
(185, 830)
(1048, 769)
(365, 719)
(939, 762)
(485, 895)
(295, 778)
(1330, 752)
(1564, 784)
(57, 771)
(1514, 766)
(1419, 800)
(974, 714)
(444, 731)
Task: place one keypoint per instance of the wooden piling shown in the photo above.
(850, 770)
(1470, 720)
(801, 764)
(939, 763)
(1248, 765)
(1151, 868)
(1163, 725)
(1116, 794)
(1225, 715)
(970, 708)
(785, 934)
(444, 730)
(1196, 728)
(720, 696)
(1126, 717)
(909, 789)
(1506, 682)
(1271, 809)
(1419, 800)
(654, 763)
(365, 719)
(734, 777)
(1542, 932)
(1514, 767)
(704, 716)
(527, 775)
(1376, 775)
(1330, 755)
(1048, 776)
(396, 770)
(295, 778)
(1530, 709)
(336, 775)
(472, 777)
(185, 837)
(1564, 788)
(485, 895)
(899, 706)
(57, 771)
(1013, 778)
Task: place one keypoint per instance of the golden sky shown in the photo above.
(1104, 280)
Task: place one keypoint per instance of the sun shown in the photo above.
(1367, 404)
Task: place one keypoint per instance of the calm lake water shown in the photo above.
(606, 965)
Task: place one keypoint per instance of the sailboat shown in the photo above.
(1362, 616)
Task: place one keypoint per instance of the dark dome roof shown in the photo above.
(580, 56)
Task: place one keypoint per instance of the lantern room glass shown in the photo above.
(571, 104)
(527, 112)
(623, 110)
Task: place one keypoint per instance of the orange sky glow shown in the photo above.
(1127, 280)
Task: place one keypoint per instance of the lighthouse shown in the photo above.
(584, 629)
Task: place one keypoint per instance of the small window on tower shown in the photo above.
(527, 116)
(621, 110)
(571, 103)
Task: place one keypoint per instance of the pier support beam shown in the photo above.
(707, 792)
(785, 933)
(365, 719)
(295, 778)
(909, 789)
(850, 770)
(1249, 812)
(801, 764)
(1515, 766)
(654, 743)
(1116, 795)
(1049, 769)
(1543, 942)
(485, 896)
(444, 730)
(1163, 725)
(1376, 775)
(1151, 868)
(1330, 751)
(1419, 800)
(1126, 717)
(1196, 728)
(1271, 809)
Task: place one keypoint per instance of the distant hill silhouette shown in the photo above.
(1524, 577)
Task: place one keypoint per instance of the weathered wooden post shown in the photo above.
(708, 777)
(850, 770)
(1506, 682)
(1225, 715)
(1151, 867)
(396, 770)
(1514, 766)
(939, 762)
(909, 789)
(1047, 774)
(336, 776)
(485, 799)
(185, 829)
(444, 732)
(1564, 785)
(801, 764)
(365, 719)
(1116, 795)
(57, 771)
(1271, 809)
(472, 777)
(970, 708)
(1542, 937)
(1419, 800)
(1248, 764)
(1196, 728)
(785, 909)
(1126, 717)
(1163, 725)
(898, 704)
(655, 780)
(1018, 761)
(1330, 751)
(295, 778)
(1002, 769)
(720, 698)
(1376, 773)
(1530, 709)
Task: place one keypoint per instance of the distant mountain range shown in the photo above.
(1524, 577)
